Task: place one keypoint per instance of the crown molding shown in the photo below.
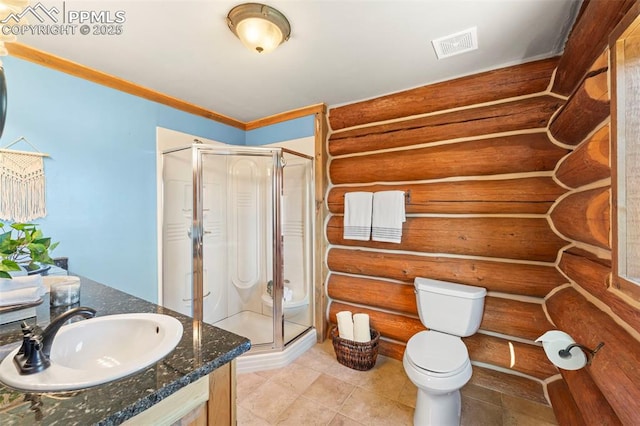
(75, 69)
(286, 116)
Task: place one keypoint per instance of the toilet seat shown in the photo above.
(437, 354)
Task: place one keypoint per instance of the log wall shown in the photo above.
(481, 184)
(608, 390)
(510, 187)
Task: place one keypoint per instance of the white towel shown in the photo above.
(20, 296)
(388, 216)
(345, 325)
(357, 215)
(17, 283)
(361, 332)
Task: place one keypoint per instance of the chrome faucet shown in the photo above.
(35, 351)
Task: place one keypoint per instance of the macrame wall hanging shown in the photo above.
(22, 184)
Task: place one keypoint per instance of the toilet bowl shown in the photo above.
(290, 309)
(438, 364)
(437, 361)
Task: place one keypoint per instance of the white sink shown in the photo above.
(98, 350)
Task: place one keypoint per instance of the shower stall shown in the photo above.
(237, 240)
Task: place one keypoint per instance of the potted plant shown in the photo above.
(23, 246)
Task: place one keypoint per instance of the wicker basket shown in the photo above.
(356, 355)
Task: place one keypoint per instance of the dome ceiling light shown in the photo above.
(259, 27)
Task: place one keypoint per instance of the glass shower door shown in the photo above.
(177, 214)
(237, 241)
(215, 268)
(297, 244)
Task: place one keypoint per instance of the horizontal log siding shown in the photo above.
(589, 37)
(516, 278)
(390, 325)
(594, 406)
(593, 276)
(585, 216)
(564, 406)
(526, 195)
(391, 349)
(503, 83)
(522, 357)
(481, 187)
(494, 156)
(607, 391)
(514, 318)
(615, 368)
(588, 163)
(502, 237)
(531, 113)
(379, 294)
(588, 107)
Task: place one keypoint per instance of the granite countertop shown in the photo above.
(203, 348)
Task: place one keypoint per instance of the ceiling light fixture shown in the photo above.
(259, 27)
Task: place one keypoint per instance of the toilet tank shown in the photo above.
(449, 307)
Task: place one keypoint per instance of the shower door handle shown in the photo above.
(205, 233)
(191, 300)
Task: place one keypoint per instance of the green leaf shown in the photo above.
(36, 247)
(20, 226)
(44, 241)
(10, 265)
(4, 274)
(5, 237)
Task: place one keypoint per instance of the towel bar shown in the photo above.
(407, 195)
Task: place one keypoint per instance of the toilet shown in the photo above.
(290, 309)
(437, 361)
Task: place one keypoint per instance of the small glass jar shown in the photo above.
(65, 291)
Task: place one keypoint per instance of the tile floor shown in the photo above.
(317, 390)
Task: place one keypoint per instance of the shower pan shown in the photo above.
(237, 240)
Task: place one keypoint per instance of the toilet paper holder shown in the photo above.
(566, 352)
(560, 349)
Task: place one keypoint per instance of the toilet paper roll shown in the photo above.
(345, 325)
(553, 342)
(361, 331)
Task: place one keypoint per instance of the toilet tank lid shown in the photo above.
(449, 289)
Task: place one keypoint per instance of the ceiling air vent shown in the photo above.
(455, 44)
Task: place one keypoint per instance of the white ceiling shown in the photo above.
(339, 51)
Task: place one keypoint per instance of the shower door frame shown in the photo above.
(197, 227)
